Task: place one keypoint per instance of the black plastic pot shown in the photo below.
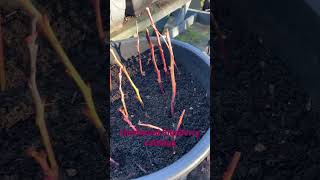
(194, 61)
(134, 7)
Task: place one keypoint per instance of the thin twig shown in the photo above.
(149, 126)
(232, 166)
(39, 106)
(41, 158)
(141, 168)
(164, 39)
(173, 79)
(177, 128)
(139, 54)
(123, 110)
(179, 122)
(154, 62)
(74, 96)
(128, 76)
(10, 14)
(44, 26)
(121, 93)
(110, 83)
(125, 117)
(114, 162)
(97, 9)
(159, 43)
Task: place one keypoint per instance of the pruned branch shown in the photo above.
(141, 168)
(99, 24)
(110, 83)
(128, 76)
(166, 32)
(41, 158)
(52, 170)
(125, 117)
(139, 54)
(180, 121)
(44, 26)
(154, 62)
(177, 128)
(114, 162)
(150, 126)
(123, 110)
(158, 34)
(173, 79)
(232, 166)
(122, 94)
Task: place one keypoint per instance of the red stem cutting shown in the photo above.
(159, 43)
(232, 166)
(139, 54)
(123, 110)
(173, 79)
(96, 6)
(154, 61)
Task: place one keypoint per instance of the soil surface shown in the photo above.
(75, 141)
(130, 152)
(261, 111)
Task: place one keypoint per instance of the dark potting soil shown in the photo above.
(261, 111)
(75, 141)
(130, 152)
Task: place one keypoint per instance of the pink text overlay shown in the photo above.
(158, 133)
(171, 133)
